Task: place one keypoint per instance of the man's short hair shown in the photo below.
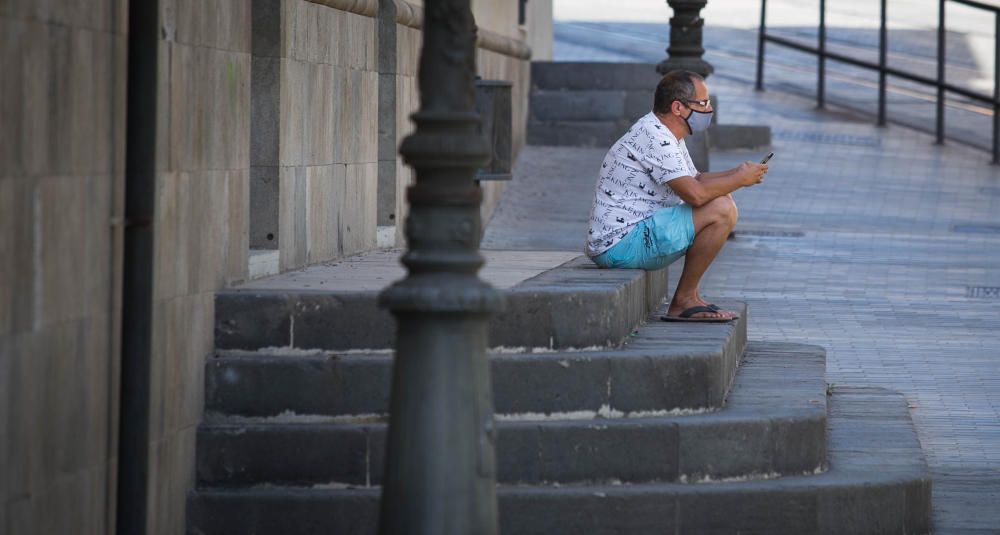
(675, 85)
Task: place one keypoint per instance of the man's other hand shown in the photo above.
(751, 173)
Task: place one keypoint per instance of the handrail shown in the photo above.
(884, 70)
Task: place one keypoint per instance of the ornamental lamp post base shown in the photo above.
(685, 50)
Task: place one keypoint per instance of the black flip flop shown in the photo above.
(716, 308)
(686, 316)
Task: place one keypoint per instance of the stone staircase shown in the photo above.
(651, 427)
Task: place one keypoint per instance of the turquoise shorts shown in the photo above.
(654, 243)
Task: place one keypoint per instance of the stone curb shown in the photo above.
(664, 367)
(575, 305)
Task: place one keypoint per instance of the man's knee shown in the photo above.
(724, 209)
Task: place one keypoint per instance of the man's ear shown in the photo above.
(677, 108)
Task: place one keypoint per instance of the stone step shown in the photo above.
(590, 105)
(774, 423)
(877, 482)
(574, 305)
(589, 76)
(577, 133)
(662, 367)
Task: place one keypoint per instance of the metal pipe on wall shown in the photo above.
(137, 269)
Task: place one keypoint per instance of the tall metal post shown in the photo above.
(440, 465)
(761, 34)
(883, 44)
(821, 59)
(685, 48)
(939, 130)
(996, 88)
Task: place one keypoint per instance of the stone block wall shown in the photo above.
(328, 155)
(62, 144)
(200, 224)
(61, 164)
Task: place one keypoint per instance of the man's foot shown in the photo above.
(677, 306)
(699, 314)
(730, 313)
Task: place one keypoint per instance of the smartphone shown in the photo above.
(766, 158)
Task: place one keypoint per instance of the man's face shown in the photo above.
(699, 102)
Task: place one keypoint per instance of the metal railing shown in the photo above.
(884, 70)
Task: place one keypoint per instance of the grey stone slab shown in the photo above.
(734, 136)
(549, 384)
(698, 146)
(297, 511)
(576, 305)
(581, 105)
(591, 76)
(638, 102)
(265, 112)
(300, 455)
(264, 207)
(576, 133)
(265, 31)
(387, 201)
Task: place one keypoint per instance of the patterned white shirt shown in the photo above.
(633, 181)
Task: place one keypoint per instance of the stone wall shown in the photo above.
(310, 132)
(200, 226)
(538, 29)
(329, 134)
(61, 163)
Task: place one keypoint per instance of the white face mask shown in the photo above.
(698, 121)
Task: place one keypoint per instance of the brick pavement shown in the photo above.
(862, 240)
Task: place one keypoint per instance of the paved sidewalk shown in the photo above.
(637, 31)
(871, 242)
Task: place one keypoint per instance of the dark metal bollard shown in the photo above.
(440, 467)
(685, 50)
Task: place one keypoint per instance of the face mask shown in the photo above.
(698, 121)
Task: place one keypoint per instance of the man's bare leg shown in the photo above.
(712, 224)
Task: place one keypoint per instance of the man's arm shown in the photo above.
(705, 187)
(717, 174)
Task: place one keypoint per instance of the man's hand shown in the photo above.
(751, 173)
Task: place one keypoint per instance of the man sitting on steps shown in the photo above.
(652, 206)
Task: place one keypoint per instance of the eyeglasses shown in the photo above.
(702, 103)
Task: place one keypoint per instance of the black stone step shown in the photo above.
(773, 424)
(664, 366)
(576, 305)
(877, 483)
(591, 76)
(590, 105)
(577, 133)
